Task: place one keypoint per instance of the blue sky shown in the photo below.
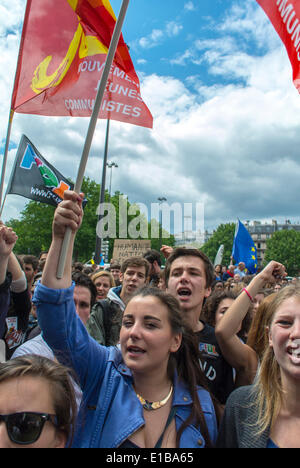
(218, 82)
(172, 37)
(12, 145)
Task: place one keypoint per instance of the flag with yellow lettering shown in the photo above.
(62, 55)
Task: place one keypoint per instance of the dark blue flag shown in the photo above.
(244, 249)
(34, 178)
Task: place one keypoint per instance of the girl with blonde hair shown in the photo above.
(103, 280)
(267, 414)
(257, 336)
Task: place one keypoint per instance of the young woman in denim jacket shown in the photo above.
(148, 394)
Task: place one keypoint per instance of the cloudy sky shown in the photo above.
(218, 82)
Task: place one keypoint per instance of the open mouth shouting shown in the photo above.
(184, 293)
(294, 351)
(135, 351)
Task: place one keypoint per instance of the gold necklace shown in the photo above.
(153, 405)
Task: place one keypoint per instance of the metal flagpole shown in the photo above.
(102, 196)
(92, 126)
(11, 114)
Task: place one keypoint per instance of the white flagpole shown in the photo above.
(219, 255)
(2, 206)
(92, 126)
(235, 234)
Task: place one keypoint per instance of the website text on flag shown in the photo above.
(35, 178)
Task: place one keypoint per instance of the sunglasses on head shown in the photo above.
(25, 428)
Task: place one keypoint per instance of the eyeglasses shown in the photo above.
(25, 428)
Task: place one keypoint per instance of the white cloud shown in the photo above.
(152, 40)
(182, 59)
(189, 6)
(11, 16)
(232, 145)
(157, 36)
(250, 22)
(173, 29)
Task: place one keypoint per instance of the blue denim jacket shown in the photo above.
(110, 411)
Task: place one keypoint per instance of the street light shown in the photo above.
(161, 200)
(110, 165)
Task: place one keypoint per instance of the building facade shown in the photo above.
(260, 233)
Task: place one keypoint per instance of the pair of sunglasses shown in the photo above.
(25, 428)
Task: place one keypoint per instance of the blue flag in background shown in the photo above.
(244, 249)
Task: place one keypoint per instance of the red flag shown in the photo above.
(62, 55)
(285, 17)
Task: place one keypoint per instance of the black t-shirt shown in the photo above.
(218, 373)
(17, 321)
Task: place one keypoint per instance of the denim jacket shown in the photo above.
(110, 411)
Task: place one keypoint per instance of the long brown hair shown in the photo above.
(185, 361)
(210, 308)
(257, 336)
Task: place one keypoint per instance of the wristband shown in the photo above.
(248, 294)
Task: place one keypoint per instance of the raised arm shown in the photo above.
(166, 250)
(16, 271)
(68, 214)
(239, 355)
(61, 327)
(8, 239)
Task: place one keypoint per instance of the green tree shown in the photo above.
(224, 234)
(154, 230)
(35, 225)
(33, 228)
(284, 247)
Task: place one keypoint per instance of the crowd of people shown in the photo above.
(140, 356)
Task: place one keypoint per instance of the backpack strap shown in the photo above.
(105, 305)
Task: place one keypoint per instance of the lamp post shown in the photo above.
(160, 200)
(97, 255)
(110, 165)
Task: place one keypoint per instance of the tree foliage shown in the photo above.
(35, 225)
(284, 247)
(224, 234)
